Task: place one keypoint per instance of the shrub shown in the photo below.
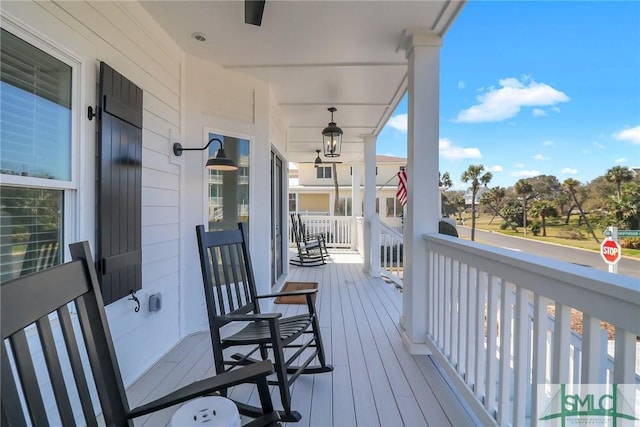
(507, 224)
(535, 228)
(630, 243)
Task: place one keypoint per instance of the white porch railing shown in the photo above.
(337, 229)
(489, 325)
(391, 264)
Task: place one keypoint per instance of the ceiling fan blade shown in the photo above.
(253, 10)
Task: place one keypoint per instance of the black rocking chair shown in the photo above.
(310, 252)
(305, 236)
(230, 292)
(36, 305)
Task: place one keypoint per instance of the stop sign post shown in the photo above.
(610, 252)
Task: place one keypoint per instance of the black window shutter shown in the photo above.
(119, 186)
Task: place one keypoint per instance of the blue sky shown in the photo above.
(531, 88)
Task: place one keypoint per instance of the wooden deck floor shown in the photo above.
(375, 381)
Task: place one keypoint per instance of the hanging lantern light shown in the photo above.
(332, 137)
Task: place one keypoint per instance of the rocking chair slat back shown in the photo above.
(231, 289)
(41, 299)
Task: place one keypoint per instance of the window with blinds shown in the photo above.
(30, 230)
(35, 155)
(35, 107)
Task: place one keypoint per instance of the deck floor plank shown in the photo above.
(375, 381)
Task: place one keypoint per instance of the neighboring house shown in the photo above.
(312, 189)
(468, 195)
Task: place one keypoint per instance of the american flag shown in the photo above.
(401, 194)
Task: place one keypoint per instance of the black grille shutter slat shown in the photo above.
(119, 186)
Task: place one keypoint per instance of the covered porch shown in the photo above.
(376, 381)
(473, 315)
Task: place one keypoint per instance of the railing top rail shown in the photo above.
(388, 230)
(609, 297)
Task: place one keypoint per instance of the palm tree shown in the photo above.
(458, 202)
(571, 185)
(444, 181)
(525, 190)
(494, 200)
(543, 209)
(475, 174)
(619, 174)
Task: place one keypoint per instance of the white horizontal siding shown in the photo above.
(124, 36)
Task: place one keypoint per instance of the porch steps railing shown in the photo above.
(391, 249)
(483, 325)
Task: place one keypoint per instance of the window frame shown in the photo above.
(398, 209)
(324, 172)
(206, 131)
(70, 189)
(293, 199)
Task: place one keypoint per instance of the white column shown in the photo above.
(369, 194)
(421, 212)
(356, 201)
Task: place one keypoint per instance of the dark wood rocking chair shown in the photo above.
(32, 308)
(230, 292)
(306, 236)
(310, 252)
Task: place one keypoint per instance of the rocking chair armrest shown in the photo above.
(247, 374)
(289, 293)
(248, 317)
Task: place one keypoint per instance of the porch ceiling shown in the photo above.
(314, 54)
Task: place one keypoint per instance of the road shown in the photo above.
(626, 266)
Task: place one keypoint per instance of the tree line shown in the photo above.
(612, 199)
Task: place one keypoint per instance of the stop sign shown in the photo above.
(610, 251)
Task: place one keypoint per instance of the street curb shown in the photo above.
(546, 243)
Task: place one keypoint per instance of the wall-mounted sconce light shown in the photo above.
(219, 163)
(332, 137)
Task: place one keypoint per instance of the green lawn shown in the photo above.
(557, 232)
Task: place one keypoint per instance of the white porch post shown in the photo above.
(421, 212)
(369, 200)
(356, 201)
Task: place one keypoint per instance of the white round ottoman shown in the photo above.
(210, 411)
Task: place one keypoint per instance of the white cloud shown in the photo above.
(539, 157)
(556, 109)
(506, 101)
(525, 173)
(399, 122)
(462, 84)
(453, 152)
(496, 168)
(569, 171)
(629, 134)
(621, 160)
(520, 165)
(548, 143)
(538, 112)
(598, 145)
